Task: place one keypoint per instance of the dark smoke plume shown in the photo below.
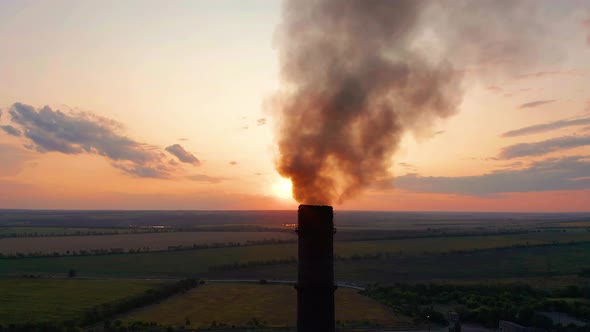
(356, 76)
(353, 85)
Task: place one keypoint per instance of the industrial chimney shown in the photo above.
(315, 278)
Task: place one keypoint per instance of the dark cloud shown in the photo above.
(10, 130)
(440, 132)
(408, 166)
(205, 178)
(158, 171)
(544, 147)
(261, 121)
(535, 103)
(540, 128)
(179, 152)
(76, 133)
(569, 173)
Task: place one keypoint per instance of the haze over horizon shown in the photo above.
(150, 105)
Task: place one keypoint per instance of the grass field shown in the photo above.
(238, 304)
(50, 300)
(154, 241)
(197, 262)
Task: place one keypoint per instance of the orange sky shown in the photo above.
(137, 77)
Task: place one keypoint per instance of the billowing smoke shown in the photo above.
(358, 74)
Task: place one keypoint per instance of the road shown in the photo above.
(212, 281)
(276, 282)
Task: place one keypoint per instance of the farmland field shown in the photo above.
(161, 241)
(515, 262)
(154, 241)
(383, 248)
(59, 231)
(238, 304)
(49, 300)
(490, 264)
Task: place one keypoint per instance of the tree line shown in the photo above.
(484, 304)
(119, 251)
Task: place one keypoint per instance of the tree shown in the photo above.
(72, 273)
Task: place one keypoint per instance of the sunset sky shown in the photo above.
(165, 105)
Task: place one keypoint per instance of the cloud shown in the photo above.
(544, 147)
(206, 178)
(183, 139)
(179, 152)
(83, 132)
(233, 163)
(159, 171)
(261, 121)
(542, 74)
(568, 173)
(535, 103)
(546, 127)
(440, 132)
(408, 166)
(10, 130)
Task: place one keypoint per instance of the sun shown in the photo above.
(283, 189)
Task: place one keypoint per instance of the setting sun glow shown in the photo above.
(283, 189)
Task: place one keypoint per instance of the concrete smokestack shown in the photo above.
(315, 279)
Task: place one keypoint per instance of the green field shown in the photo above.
(239, 304)
(51, 300)
(408, 252)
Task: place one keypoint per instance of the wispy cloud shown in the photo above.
(542, 74)
(408, 166)
(10, 130)
(544, 147)
(544, 127)
(82, 132)
(535, 103)
(233, 163)
(569, 173)
(261, 122)
(179, 152)
(206, 178)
